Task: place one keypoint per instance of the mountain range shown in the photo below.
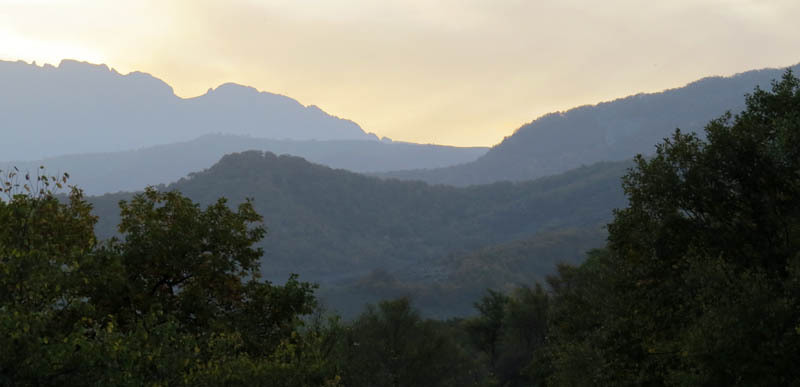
(77, 107)
(502, 217)
(102, 126)
(608, 131)
(100, 173)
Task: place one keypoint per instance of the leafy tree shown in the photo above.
(181, 258)
(486, 329)
(524, 332)
(390, 345)
(178, 301)
(699, 285)
(508, 331)
(44, 247)
(578, 331)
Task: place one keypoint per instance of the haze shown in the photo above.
(447, 72)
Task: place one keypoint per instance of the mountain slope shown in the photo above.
(99, 173)
(608, 131)
(450, 286)
(330, 225)
(80, 108)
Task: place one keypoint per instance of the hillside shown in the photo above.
(608, 131)
(332, 225)
(100, 173)
(451, 284)
(79, 107)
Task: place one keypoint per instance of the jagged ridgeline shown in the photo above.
(78, 107)
(608, 131)
(334, 226)
(115, 132)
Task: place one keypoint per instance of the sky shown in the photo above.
(464, 73)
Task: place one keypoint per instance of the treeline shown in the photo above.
(699, 284)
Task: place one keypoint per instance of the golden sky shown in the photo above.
(465, 72)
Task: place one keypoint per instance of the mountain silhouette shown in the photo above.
(79, 107)
(608, 131)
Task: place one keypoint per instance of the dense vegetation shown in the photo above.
(700, 281)
(178, 300)
(451, 285)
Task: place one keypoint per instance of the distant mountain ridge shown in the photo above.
(100, 173)
(79, 107)
(608, 131)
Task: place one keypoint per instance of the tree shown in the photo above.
(700, 281)
(45, 246)
(390, 345)
(177, 301)
(524, 331)
(580, 333)
(486, 329)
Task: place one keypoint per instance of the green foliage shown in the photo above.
(44, 248)
(524, 332)
(176, 302)
(578, 336)
(390, 345)
(699, 285)
(198, 264)
(486, 329)
(508, 331)
(449, 287)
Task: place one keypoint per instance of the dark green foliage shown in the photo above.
(578, 336)
(184, 259)
(44, 251)
(486, 329)
(176, 302)
(450, 286)
(524, 332)
(699, 284)
(390, 345)
(508, 331)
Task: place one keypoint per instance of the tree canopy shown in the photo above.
(700, 281)
(176, 301)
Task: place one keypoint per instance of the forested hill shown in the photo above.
(100, 173)
(329, 225)
(79, 107)
(449, 286)
(614, 130)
